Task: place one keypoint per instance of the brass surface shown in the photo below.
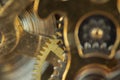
(75, 11)
(97, 33)
(36, 45)
(20, 30)
(50, 46)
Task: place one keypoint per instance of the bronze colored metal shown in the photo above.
(97, 33)
(13, 35)
(92, 69)
(29, 29)
(75, 11)
(19, 40)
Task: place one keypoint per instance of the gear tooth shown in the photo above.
(46, 45)
(35, 70)
(54, 37)
(36, 75)
(38, 57)
(48, 41)
(36, 65)
(59, 34)
(42, 52)
(43, 49)
(60, 43)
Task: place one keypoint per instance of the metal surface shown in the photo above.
(75, 12)
(54, 55)
(20, 30)
(59, 39)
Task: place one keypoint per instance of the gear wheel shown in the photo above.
(53, 45)
(54, 52)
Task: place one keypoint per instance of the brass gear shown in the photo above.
(54, 52)
(51, 45)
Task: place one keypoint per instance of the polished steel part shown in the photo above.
(31, 23)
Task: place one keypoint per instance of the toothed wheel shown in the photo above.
(53, 55)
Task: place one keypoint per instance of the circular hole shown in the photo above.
(97, 33)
